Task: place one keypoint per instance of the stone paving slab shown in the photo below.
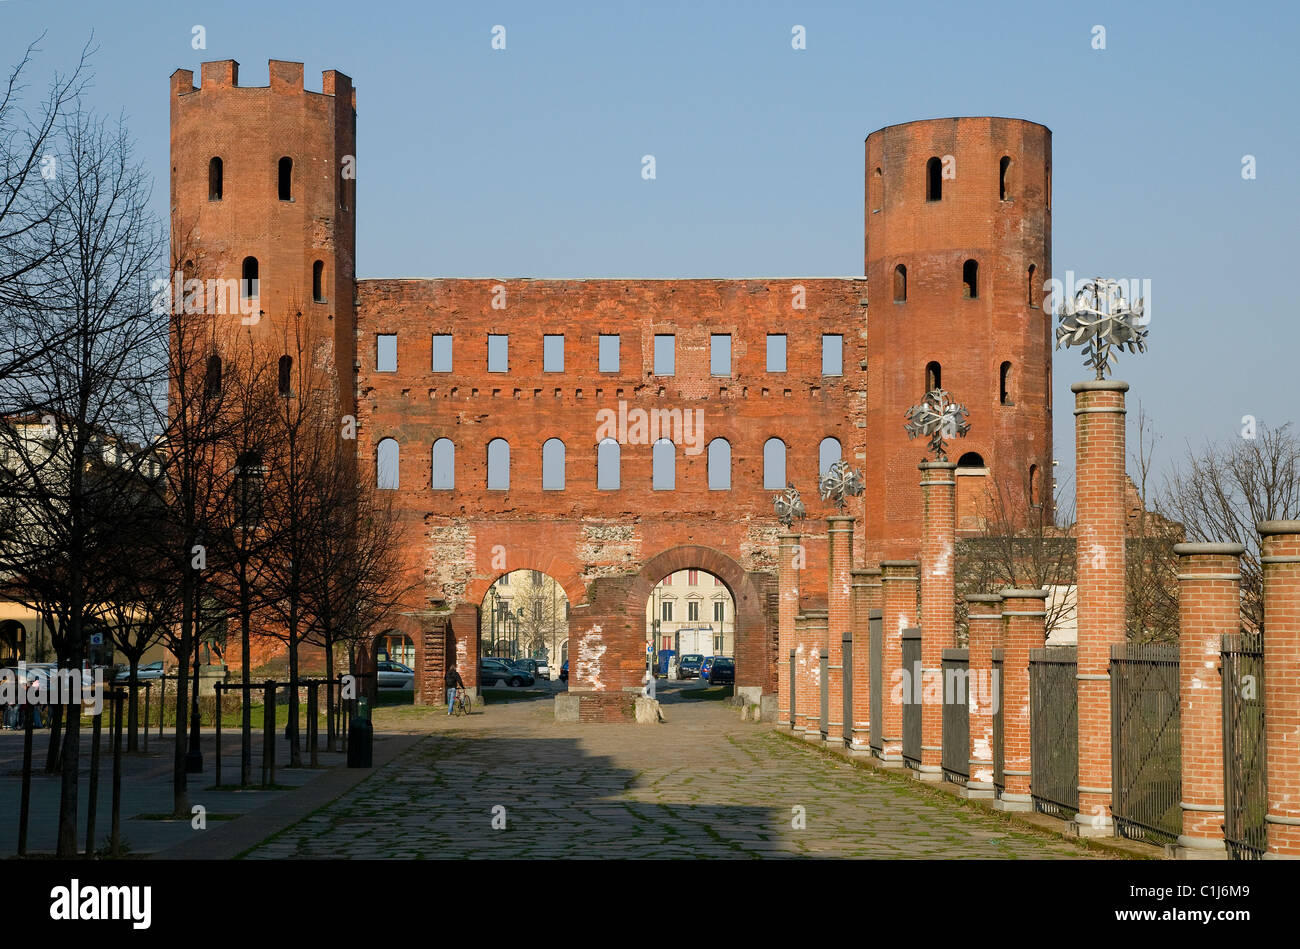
(704, 784)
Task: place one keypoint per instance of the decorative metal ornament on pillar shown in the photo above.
(939, 418)
(1102, 321)
(789, 506)
(839, 484)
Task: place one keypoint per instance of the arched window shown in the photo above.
(286, 375)
(444, 465)
(212, 377)
(216, 176)
(972, 459)
(248, 279)
(553, 465)
(1029, 285)
(719, 465)
(828, 453)
(970, 280)
(607, 465)
(318, 281)
(774, 464)
(1004, 385)
(664, 463)
(933, 376)
(1004, 178)
(900, 284)
(1033, 485)
(933, 180)
(498, 465)
(387, 458)
(286, 179)
(249, 475)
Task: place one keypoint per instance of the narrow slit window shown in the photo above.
(1029, 285)
(286, 375)
(970, 280)
(1004, 178)
(934, 180)
(933, 376)
(248, 288)
(318, 281)
(1004, 384)
(900, 284)
(286, 178)
(216, 179)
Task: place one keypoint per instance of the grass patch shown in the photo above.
(390, 697)
(492, 696)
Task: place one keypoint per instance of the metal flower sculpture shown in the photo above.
(789, 506)
(939, 418)
(1102, 321)
(840, 483)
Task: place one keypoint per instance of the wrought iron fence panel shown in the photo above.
(1146, 753)
(875, 637)
(1054, 730)
(912, 697)
(1245, 795)
(956, 715)
(999, 759)
(793, 720)
(824, 679)
(846, 680)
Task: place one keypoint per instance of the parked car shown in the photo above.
(528, 666)
(722, 671)
(151, 671)
(705, 666)
(543, 669)
(491, 671)
(688, 667)
(564, 671)
(394, 675)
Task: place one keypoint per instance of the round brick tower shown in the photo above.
(263, 186)
(958, 250)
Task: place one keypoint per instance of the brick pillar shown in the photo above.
(800, 722)
(938, 592)
(1099, 499)
(817, 624)
(898, 580)
(1280, 542)
(464, 644)
(787, 605)
(1023, 616)
(984, 634)
(1209, 608)
(839, 532)
(866, 596)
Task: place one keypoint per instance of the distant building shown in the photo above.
(691, 611)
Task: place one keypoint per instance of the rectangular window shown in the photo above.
(693, 611)
(386, 353)
(720, 354)
(719, 611)
(609, 352)
(832, 355)
(552, 353)
(498, 353)
(537, 578)
(665, 354)
(693, 578)
(666, 613)
(776, 352)
(441, 352)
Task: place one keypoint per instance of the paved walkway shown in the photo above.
(703, 785)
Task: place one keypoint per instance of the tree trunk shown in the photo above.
(180, 794)
(291, 729)
(246, 657)
(133, 708)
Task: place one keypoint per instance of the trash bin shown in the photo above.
(361, 738)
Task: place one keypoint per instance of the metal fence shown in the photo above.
(999, 759)
(1244, 799)
(1146, 754)
(876, 698)
(956, 715)
(793, 719)
(825, 678)
(912, 697)
(846, 682)
(1054, 730)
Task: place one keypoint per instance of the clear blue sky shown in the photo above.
(481, 163)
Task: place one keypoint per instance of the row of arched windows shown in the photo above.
(970, 282)
(249, 271)
(217, 178)
(608, 464)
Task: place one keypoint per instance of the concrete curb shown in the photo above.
(229, 840)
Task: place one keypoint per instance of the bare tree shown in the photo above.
(1223, 490)
(78, 402)
(1150, 565)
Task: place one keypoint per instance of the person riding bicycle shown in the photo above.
(452, 681)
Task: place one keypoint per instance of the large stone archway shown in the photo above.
(607, 638)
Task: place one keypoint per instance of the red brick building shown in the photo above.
(461, 388)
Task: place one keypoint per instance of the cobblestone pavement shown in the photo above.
(703, 785)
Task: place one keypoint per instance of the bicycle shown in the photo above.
(461, 703)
